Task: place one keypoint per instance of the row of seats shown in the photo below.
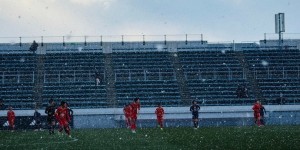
(277, 73)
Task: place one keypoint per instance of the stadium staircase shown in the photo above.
(249, 74)
(180, 78)
(38, 80)
(110, 80)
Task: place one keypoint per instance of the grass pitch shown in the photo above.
(268, 137)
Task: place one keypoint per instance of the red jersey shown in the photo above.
(127, 111)
(159, 112)
(135, 107)
(62, 115)
(256, 108)
(11, 115)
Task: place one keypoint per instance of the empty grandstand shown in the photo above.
(171, 73)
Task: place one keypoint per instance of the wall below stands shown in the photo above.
(174, 117)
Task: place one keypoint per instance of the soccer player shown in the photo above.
(63, 117)
(256, 110)
(127, 113)
(195, 112)
(11, 118)
(135, 105)
(160, 115)
(70, 111)
(262, 112)
(50, 111)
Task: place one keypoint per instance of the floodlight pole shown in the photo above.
(279, 38)
(279, 27)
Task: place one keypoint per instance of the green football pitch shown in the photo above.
(268, 137)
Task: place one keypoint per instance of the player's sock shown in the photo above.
(262, 121)
(133, 126)
(50, 129)
(195, 124)
(258, 122)
(67, 129)
(60, 129)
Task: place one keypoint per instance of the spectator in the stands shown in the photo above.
(280, 100)
(2, 107)
(97, 77)
(34, 46)
(242, 91)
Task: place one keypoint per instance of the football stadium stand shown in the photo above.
(173, 73)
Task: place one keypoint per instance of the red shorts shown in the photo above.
(256, 115)
(134, 117)
(63, 123)
(11, 122)
(160, 119)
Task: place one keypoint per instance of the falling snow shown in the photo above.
(264, 63)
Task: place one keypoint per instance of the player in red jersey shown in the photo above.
(63, 117)
(135, 107)
(160, 115)
(127, 112)
(256, 109)
(11, 118)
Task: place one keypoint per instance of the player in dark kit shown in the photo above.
(262, 112)
(50, 111)
(195, 112)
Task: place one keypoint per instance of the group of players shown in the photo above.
(61, 114)
(131, 111)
